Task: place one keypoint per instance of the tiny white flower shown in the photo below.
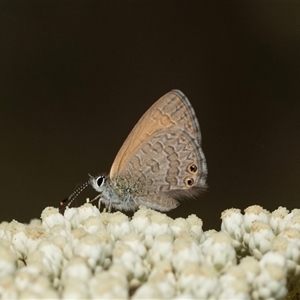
(64, 245)
(253, 213)
(23, 238)
(261, 238)
(118, 225)
(273, 258)
(200, 281)
(279, 219)
(294, 222)
(209, 233)
(161, 279)
(236, 291)
(161, 249)
(16, 234)
(106, 241)
(292, 235)
(77, 215)
(24, 279)
(134, 264)
(217, 250)
(251, 267)
(107, 286)
(150, 222)
(3, 230)
(233, 284)
(50, 217)
(180, 225)
(71, 216)
(270, 283)
(291, 252)
(75, 288)
(148, 291)
(8, 260)
(232, 221)
(185, 249)
(35, 283)
(86, 211)
(52, 257)
(35, 236)
(8, 289)
(35, 223)
(118, 270)
(89, 247)
(18, 242)
(159, 224)
(60, 230)
(133, 240)
(140, 220)
(93, 224)
(196, 226)
(35, 261)
(76, 268)
(76, 235)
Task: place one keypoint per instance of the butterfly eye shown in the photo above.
(189, 181)
(192, 168)
(100, 180)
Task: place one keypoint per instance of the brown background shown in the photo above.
(76, 77)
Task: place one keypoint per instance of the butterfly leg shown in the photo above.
(99, 201)
(94, 199)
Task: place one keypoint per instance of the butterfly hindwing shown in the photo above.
(168, 161)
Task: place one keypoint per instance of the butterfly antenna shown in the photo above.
(68, 201)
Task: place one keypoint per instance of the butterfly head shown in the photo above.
(98, 182)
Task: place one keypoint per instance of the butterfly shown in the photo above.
(160, 162)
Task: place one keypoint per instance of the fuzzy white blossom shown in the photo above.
(260, 238)
(185, 250)
(270, 283)
(196, 225)
(162, 248)
(233, 284)
(279, 219)
(162, 279)
(51, 217)
(294, 222)
(106, 285)
(201, 282)
(85, 254)
(218, 251)
(253, 213)
(291, 252)
(8, 260)
(232, 223)
(251, 267)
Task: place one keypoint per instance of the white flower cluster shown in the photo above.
(85, 254)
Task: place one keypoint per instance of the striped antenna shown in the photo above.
(68, 201)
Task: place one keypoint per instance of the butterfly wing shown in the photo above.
(173, 112)
(168, 166)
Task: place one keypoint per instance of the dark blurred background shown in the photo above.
(77, 76)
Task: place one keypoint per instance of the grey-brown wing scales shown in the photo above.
(167, 166)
